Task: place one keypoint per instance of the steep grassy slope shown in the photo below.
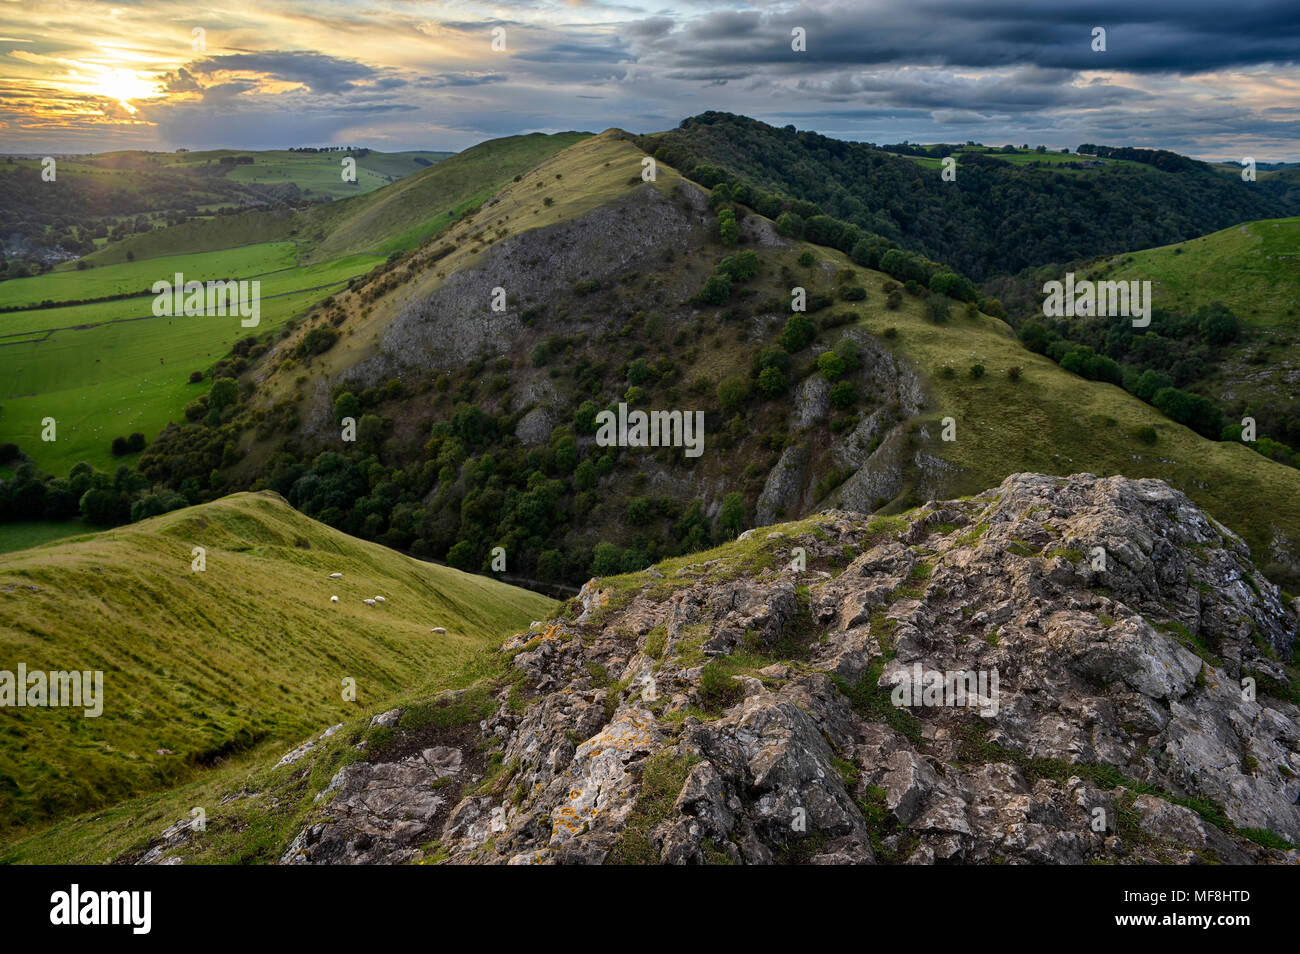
(204, 664)
(398, 216)
(1253, 268)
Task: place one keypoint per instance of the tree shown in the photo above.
(797, 334)
(346, 405)
(225, 391)
(732, 517)
(936, 308)
(461, 555)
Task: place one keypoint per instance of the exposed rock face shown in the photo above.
(740, 710)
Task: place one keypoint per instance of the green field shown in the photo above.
(33, 533)
(205, 664)
(1025, 157)
(107, 369)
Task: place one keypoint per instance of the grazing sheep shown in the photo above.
(336, 576)
(334, 599)
(439, 630)
(369, 602)
(380, 599)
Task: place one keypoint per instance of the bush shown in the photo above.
(977, 371)
(119, 447)
(847, 349)
(732, 392)
(894, 300)
(831, 365)
(740, 268)
(843, 395)
(1146, 434)
(1015, 372)
(346, 405)
(806, 259)
(728, 230)
(716, 291)
(771, 382)
(541, 354)
(774, 356)
(196, 377)
(853, 293)
(797, 334)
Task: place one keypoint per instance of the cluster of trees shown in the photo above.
(1156, 363)
(997, 217)
(99, 498)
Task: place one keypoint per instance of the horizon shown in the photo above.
(153, 76)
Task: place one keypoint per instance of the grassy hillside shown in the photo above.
(1253, 268)
(205, 664)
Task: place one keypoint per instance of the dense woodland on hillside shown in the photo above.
(995, 218)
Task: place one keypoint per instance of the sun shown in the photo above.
(124, 86)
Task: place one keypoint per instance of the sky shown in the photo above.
(1213, 80)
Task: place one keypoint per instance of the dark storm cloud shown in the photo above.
(318, 72)
(1149, 36)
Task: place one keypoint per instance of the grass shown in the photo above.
(207, 664)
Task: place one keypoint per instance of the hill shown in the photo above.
(745, 705)
(997, 217)
(201, 665)
(476, 428)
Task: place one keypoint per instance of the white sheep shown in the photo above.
(369, 602)
(336, 576)
(439, 630)
(334, 599)
(380, 599)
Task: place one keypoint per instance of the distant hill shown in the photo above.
(206, 664)
(997, 217)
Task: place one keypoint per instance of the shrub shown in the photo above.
(830, 365)
(716, 291)
(1015, 372)
(732, 392)
(843, 395)
(806, 259)
(728, 230)
(853, 293)
(771, 382)
(848, 351)
(797, 334)
(196, 377)
(977, 371)
(894, 300)
(540, 355)
(1146, 434)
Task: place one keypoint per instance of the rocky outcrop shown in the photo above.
(1059, 670)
